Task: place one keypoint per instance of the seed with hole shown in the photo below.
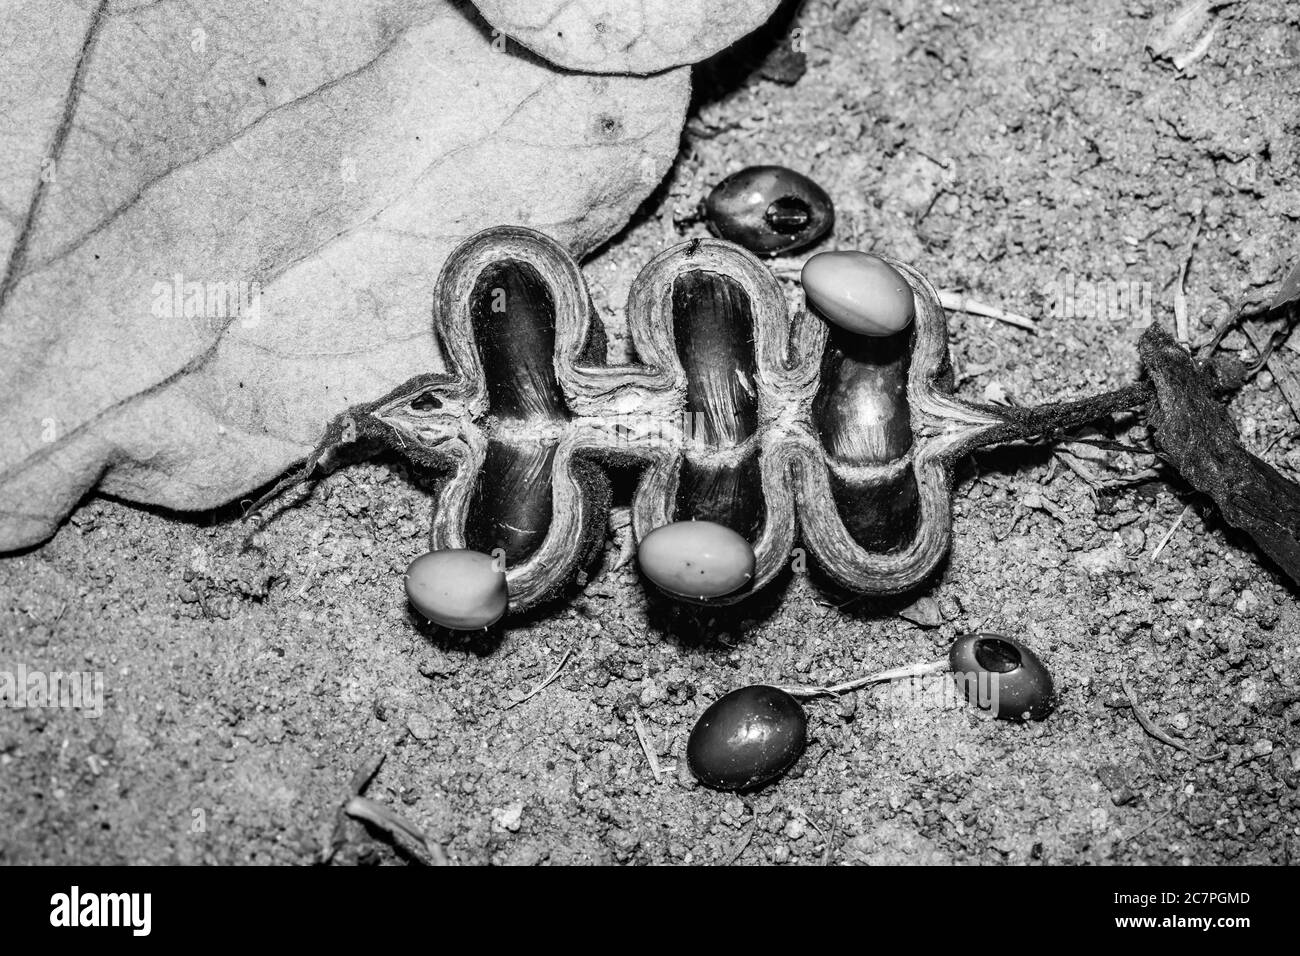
(769, 210)
(1001, 675)
(859, 292)
(747, 738)
(696, 559)
(457, 588)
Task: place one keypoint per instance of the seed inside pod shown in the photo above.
(862, 417)
(511, 507)
(747, 738)
(769, 210)
(457, 588)
(859, 292)
(696, 559)
(713, 330)
(514, 324)
(1001, 675)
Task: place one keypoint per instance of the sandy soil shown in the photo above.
(1000, 147)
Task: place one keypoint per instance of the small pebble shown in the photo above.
(924, 612)
(1002, 675)
(420, 726)
(747, 738)
(858, 292)
(696, 559)
(457, 588)
(769, 210)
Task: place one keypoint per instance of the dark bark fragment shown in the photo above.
(1195, 434)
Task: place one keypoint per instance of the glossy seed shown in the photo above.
(769, 210)
(747, 738)
(1001, 675)
(696, 559)
(457, 588)
(859, 292)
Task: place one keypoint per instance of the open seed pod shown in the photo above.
(872, 469)
(734, 412)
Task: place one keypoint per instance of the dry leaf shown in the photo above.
(1290, 290)
(1181, 35)
(626, 36)
(316, 159)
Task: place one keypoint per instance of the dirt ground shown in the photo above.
(1000, 148)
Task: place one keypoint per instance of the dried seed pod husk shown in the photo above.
(874, 478)
(734, 411)
(716, 320)
(503, 424)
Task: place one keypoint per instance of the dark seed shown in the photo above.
(769, 210)
(1001, 675)
(747, 738)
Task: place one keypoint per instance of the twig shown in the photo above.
(360, 780)
(550, 678)
(1105, 444)
(1145, 827)
(897, 673)
(405, 835)
(1181, 325)
(743, 845)
(1286, 379)
(1152, 728)
(1170, 533)
(830, 843)
(1137, 478)
(1206, 349)
(956, 301)
(58, 618)
(832, 608)
(1068, 457)
(639, 727)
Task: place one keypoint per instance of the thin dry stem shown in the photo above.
(639, 726)
(1154, 729)
(881, 677)
(404, 834)
(550, 679)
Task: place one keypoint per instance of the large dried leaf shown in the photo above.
(626, 36)
(330, 153)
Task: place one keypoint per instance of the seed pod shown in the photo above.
(747, 738)
(1001, 675)
(734, 412)
(769, 210)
